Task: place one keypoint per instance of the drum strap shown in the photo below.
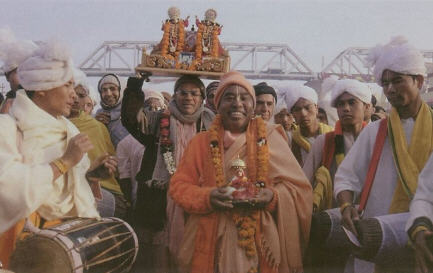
(377, 151)
(328, 149)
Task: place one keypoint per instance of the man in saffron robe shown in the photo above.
(271, 234)
(399, 68)
(302, 103)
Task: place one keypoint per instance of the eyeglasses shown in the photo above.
(185, 93)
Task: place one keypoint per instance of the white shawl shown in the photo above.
(45, 138)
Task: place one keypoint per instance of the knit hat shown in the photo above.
(295, 92)
(398, 56)
(13, 51)
(109, 78)
(263, 88)
(353, 87)
(49, 66)
(212, 87)
(233, 78)
(153, 94)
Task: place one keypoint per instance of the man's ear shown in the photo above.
(420, 81)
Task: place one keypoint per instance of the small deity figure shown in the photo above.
(207, 42)
(173, 39)
(239, 186)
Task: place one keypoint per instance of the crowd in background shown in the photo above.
(151, 147)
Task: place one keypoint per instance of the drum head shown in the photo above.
(37, 254)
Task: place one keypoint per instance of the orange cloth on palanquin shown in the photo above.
(282, 232)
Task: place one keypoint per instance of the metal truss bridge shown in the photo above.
(255, 61)
(351, 63)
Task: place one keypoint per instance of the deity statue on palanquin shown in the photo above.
(207, 42)
(173, 39)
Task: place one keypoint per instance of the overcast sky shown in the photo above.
(313, 29)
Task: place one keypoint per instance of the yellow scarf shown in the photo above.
(303, 142)
(102, 144)
(409, 161)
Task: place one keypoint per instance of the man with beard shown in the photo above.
(111, 102)
(165, 134)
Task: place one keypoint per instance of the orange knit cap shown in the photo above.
(233, 78)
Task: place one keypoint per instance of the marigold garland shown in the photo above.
(171, 27)
(214, 29)
(245, 220)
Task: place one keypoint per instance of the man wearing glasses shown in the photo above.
(302, 103)
(165, 134)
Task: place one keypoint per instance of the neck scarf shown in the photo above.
(333, 148)
(409, 161)
(45, 138)
(184, 118)
(303, 141)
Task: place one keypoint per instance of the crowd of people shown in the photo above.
(164, 163)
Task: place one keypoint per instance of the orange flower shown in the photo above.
(245, 220)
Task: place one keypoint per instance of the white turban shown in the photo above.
(13, 51)
(295, 92)
(398, 56)
(154, 94)
(50, 66)
(353, 87)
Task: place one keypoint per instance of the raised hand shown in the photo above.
(77, 147)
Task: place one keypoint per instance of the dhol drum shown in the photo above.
(329, 247)
(78, 246)
(384, 240)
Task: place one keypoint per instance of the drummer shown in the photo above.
(44, 169)
(399, 68)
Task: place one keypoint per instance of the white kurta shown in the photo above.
(314, 158)
(353, 170)
(129, 154)
(422, 203)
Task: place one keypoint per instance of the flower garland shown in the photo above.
(245, 220)
(215, 44)
(214, 29)
(165, 143)
(170, 30)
